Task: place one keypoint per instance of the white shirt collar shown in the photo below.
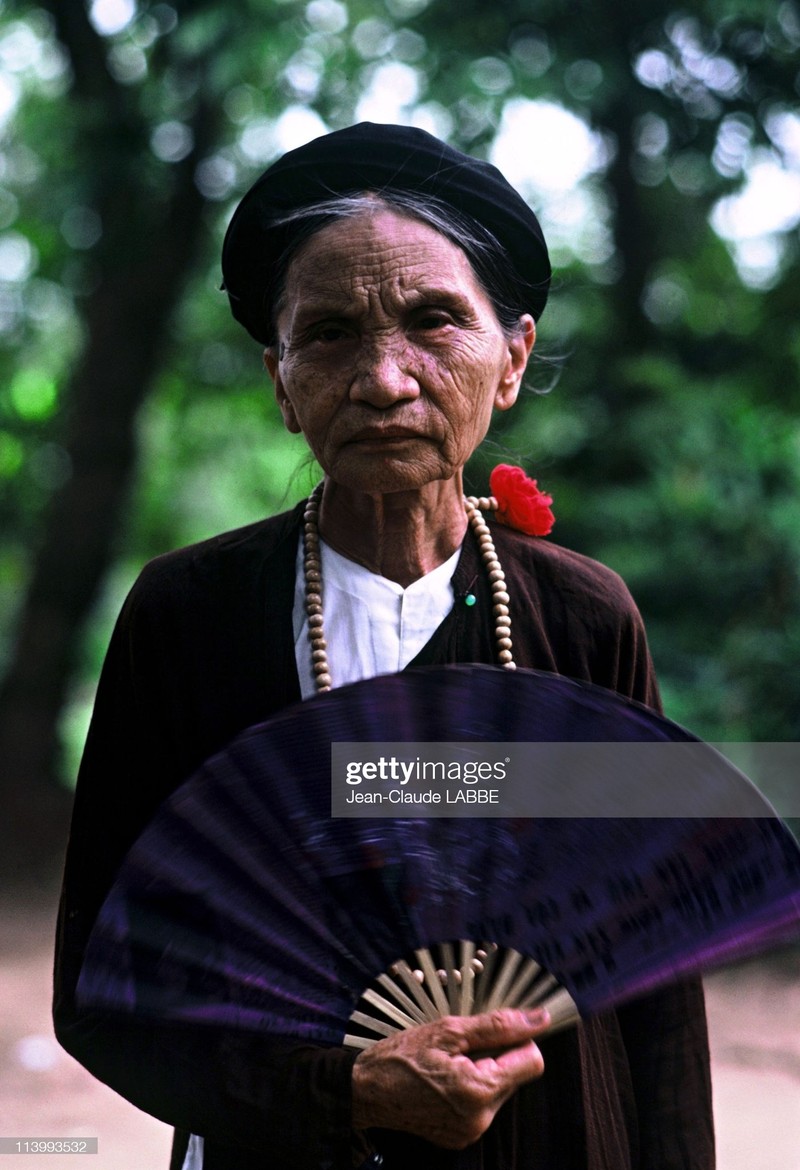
(372, 625)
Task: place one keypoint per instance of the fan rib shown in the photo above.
(405, 1002)
(388, 1009)
(490, 952)
(436, 990)
(467, 987)
(539, 991)
(529, 971)
(449, 963)
(423, 999)
(371, 1024)
(362, 1042)
(563, 1011)
(510, 962)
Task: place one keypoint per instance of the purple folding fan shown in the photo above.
(245, 904)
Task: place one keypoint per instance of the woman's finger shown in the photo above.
(502, 1029)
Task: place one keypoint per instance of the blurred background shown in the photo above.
(660, 144)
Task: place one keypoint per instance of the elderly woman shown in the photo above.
(395, 284)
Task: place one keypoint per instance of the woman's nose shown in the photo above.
(383, 373)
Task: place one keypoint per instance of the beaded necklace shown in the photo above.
(312, 568)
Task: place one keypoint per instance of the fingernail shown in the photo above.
(538, 1016)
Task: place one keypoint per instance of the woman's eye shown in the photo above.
(330, 333)
(433, 319)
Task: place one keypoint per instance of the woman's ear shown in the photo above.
(272, 365)
(519, 349)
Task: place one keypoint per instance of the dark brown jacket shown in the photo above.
(204, 648)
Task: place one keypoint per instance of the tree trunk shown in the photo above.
(148, 249)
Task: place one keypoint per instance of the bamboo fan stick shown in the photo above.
(529, 971)
(496, 998)
(389, 1009)
(362, 1042)
(436, 990)
(539, 991)
(563, 1011)
(373, 1024)
(466, 998)
(405, 973)
(404, 1000)
(448, 971)
(488, 953)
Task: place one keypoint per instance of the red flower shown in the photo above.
(520, 503)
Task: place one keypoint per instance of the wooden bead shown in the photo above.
(312, 567)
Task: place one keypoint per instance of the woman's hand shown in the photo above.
(424, 1080)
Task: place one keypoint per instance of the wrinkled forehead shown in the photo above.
(380, 256)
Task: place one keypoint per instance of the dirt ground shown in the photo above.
(754, 1015)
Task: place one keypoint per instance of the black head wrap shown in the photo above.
(370, 157)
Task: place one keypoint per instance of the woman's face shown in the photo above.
(390, 358)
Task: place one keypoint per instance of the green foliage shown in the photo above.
(671, 437)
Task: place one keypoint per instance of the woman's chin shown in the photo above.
(387, 475)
